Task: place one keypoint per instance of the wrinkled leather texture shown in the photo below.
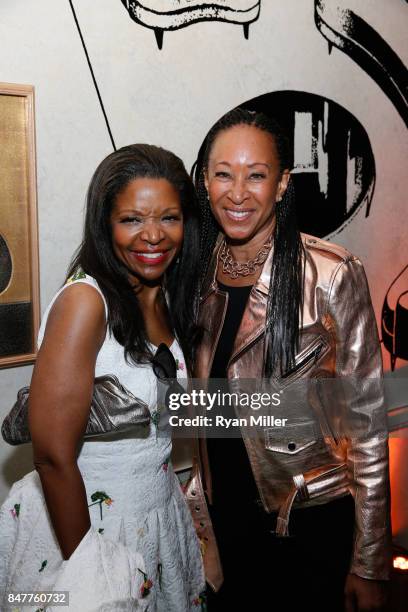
(338, 338)
(113, 408)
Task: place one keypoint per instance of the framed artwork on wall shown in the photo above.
(19, 273)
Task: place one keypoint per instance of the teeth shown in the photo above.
(238, 215)
(151, 255)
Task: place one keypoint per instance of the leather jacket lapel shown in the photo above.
(253, 321)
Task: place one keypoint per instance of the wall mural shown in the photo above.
(348, 30)
(345, 24)
(161, 15)
(394, 318)
(333, 163)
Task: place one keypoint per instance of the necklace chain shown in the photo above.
(234, 268)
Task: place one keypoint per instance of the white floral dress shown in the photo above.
(142, 552)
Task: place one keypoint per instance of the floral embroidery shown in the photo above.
(15, 511)
(201, 600)
(155, 417)
(180, 365)
(146, 586)
(165, 465)
(100, 497)
(78, 274)
(100, 530)
(43, 565)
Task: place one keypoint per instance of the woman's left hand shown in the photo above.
(363, 595)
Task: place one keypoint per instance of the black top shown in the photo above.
(237, 299)
(228, 456)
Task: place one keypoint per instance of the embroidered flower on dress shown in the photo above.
(155, 416)
(78, 274)
(15, 511)
(165, 465)
(180, 365)
(146, 586)
(43, 565)
(201, 600)
(100, 497)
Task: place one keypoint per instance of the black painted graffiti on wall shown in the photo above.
(347, 27)
(6, 267)
(161, 15)
(333, 163)
(394, 318)
(15, 315)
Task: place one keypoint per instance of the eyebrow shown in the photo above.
(135, 211)
(225, 163)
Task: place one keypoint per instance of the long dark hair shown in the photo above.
(286, 287)
(95, 255)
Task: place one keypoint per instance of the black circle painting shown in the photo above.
(394, 318)
(333, 164)
(6, 266)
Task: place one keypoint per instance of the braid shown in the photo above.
(209, 228)
(286, 287)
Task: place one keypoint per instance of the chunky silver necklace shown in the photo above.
(234, 268)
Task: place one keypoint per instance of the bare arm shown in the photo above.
(60, 396)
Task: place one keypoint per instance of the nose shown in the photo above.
(238, 193)
(152, 232)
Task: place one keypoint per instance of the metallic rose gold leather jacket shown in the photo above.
(338, 339)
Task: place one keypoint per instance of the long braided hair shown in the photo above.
(285, 297)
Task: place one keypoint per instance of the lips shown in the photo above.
(238, 215)
(153, 259)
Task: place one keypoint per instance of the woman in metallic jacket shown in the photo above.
(290, 308)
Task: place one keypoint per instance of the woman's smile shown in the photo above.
(152, 258)
(244, 180)
(238, 216)
(147, 227)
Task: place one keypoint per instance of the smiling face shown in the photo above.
(244, 182)
(147, 227)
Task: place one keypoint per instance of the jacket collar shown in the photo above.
(253, 321)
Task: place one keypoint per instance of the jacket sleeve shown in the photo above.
(363, 420)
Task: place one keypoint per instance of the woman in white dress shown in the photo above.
(105, 518)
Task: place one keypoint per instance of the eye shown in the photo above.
(131, 220)
(222, 174)
(171, 218)
(257, 176)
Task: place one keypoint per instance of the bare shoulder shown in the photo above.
(77, 313)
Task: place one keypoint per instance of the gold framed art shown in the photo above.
(19, 268)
